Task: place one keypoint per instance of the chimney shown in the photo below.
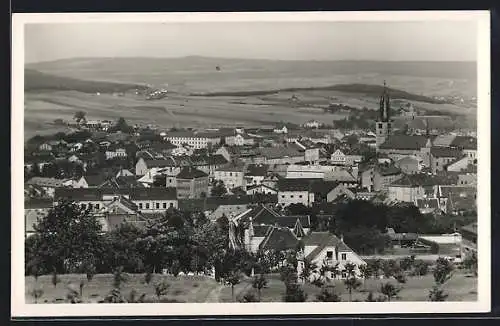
(342, 238)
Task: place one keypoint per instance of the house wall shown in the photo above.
(261, 190)
(405, 194)
(295, 197)
(471, 155)
(459, 165)
(155, 206)
(192, 188)
(382, 182)
(311, 155)
(140, 167)
(195, 142)
(438, 163)
(231, 179)
(467, 179)
(282, 160)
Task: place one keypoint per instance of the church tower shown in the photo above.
(384, 123)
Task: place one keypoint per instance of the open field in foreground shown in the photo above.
(201, 289)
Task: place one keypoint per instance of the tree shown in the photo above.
(132, 297)
(308, 268)
(79, 116)
(64, 239)
(294, 293)
(407, 263)
(420, 268)
(250, 297)
(328, 294)
(288, 274)
(389, 290)
(365, 272)
(90, 271)
(351, 281)
(443, 271)
(259, 282)
(161, 289)
(119, 278)
(335, 269)
(148, 277)
(219, 189)
(389, 268)
(233, 279)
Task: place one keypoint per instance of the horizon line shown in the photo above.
(248, 59)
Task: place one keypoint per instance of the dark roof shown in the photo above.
(416, 180)
(471, 228)
(38, 203)
(153, 194)
(323, 187)
(404, 142)
(295, 184)
(428, 203)
(260, 230)
(279, 239)
(257, 169)
(78, 194)
(189, 172)
(323, 240)
(387, 170)
(160, 163)
(45, 182)
(95, 180)
(192, 204)
(279, 152)
(464, 142)
(216, 159)
(446, 152)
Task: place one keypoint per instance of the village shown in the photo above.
(279, 188)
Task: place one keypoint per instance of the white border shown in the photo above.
(20, 309)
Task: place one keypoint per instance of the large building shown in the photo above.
(191, 183)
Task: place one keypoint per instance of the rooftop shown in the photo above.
(189, 172)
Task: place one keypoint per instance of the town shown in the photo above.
(306, 206)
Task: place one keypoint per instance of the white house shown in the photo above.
(280, 129)
(324, 248)
(312, 124)
(233, 175)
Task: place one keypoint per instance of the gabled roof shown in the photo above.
(424, 180)
(279, 239)
(189, 172)
(279, 152)
(261, 230)
(322, 240)
(232, 167)
(38, 203)
(95, 180)
(260, 186)
(427, 203)
(78, 194)
(298, 230)
(295, 184)
(167, 162)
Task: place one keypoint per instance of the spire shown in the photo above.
(385, 105)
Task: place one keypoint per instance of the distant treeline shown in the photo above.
(38, 81)
(370, 90)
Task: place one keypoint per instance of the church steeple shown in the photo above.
(385, 105)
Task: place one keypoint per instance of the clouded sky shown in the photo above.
(398, 41)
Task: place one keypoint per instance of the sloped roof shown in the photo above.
(257, 170)
(232, 167)
(279, 239)
(471, 228)
(404, 142)
(464, 142)
(416, 180)
(295, 184)
(428, 203)
(95, 180)
(298, 230)
(446, 152)
(261, 230)
(323, 240)
(78, 194)
(279, 152)
(189, 172)
(153, 194)
(443, 140)
(38, 203)
(160, 163)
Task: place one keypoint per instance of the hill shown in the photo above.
(39, 81)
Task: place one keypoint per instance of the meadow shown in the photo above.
(461, 287)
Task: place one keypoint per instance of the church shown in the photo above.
(399, 146)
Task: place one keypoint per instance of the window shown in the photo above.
(140, 205)
(147, 205)
(97, 206)
(164, 205)
(157, 205)
(344, 256)
(282, 196)
(300, 196)
(380, 126)
(291, 196)
(329, 254)
(230, 174)
(171, 205)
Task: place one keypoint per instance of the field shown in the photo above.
(200, 289)
(199, 96)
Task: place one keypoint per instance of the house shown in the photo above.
(208, 163)
(256, 173)
(170, 164)
(280, 129)
(243, 140)
(254, 189)
(401, 240)
(343, 176)
(90, 181)
(45, 147)
(378, 177)
(115, 152)
(410, 188)
(279, 155)
(297, 171)
(118, 212)
(324, 248)
(47, 185)
(339, 158)
(398, 146)
(428, 206)
(468, 146)
(458, 199)
(295, 191)
(191, 183)
(154, 200)
(339, 191)
(449, 245)
(441, 157)
(312, 124)
(232, 175)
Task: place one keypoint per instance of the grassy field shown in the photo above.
(201, 289)
(189, 76)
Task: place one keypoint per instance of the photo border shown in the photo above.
(20, 309)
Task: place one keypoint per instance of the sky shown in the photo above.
(384, 41)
